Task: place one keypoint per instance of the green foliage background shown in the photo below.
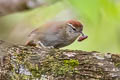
(101, 19)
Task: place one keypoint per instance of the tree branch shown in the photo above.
(27, 63)
(11, 6)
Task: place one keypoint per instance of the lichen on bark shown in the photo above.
(28, 63)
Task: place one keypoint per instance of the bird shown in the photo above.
(56, 34)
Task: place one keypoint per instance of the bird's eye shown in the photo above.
(72, 27)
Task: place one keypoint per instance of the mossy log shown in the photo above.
(19, 62)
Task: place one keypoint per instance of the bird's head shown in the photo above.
(74, 29)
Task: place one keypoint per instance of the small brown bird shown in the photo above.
(56, 34)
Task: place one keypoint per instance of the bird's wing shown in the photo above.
(54, 27)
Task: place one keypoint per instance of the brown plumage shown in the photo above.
(56, 34)
(75, 23)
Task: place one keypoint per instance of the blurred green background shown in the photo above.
(101, 20)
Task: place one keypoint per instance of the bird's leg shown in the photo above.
(40, 44)
(50, 47)
(1, 61)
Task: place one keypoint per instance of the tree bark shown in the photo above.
(31, 63)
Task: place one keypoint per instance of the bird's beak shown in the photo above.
(82, 37)
(82, 33)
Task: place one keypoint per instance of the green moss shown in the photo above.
(67, 67)
(116, 60)
(117, 64)
(51, 65)
(71, 62)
